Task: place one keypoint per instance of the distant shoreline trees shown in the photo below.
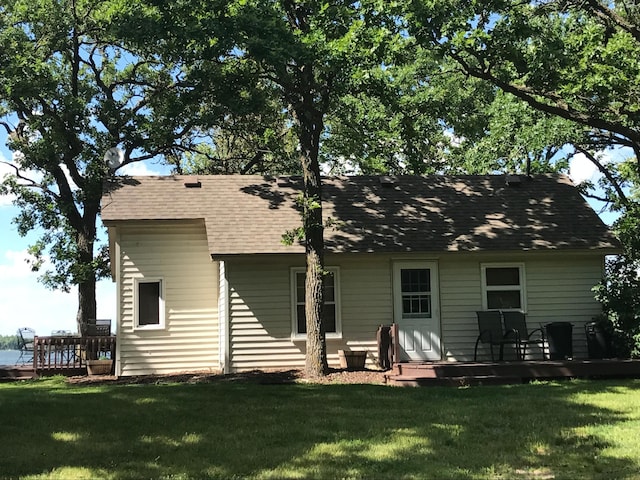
(8, 342)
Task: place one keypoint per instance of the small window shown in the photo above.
(503, 287)
(149, 304)
(415, 285)
(331, 303)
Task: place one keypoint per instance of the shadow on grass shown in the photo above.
(249, 430)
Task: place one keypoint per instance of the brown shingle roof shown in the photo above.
(248, 214)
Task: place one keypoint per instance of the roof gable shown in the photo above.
(249, 214)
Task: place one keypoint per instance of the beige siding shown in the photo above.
(257, 301)
(561, 290)
(460, 297)
(558, 288)
(178, 254)
(261, 318)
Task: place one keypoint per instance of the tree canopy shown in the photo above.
(575, 61)
(71, 87)
(569, 73)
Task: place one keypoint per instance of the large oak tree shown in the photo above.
(311, 54)
(575, 61)
(70, 89)
(575, 64)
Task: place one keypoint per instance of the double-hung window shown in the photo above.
(332, 325)
(503, 286)
(149, 303)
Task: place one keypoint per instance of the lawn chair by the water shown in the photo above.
(26, 337)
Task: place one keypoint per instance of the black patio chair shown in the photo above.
(515, 323)
(492, 334)
(26, 337)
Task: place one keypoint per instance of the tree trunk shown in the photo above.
(86, 284)
(86, 301)
(309, 101)
(316, 356)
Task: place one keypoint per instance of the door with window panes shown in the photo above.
(416, 310)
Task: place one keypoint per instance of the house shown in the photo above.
(205, 282)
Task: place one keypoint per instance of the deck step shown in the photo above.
(460, 381)
(9, 373)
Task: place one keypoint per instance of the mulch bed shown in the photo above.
(334, 376)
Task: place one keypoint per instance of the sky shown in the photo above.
(24, 302)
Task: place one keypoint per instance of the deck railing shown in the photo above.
(70, 353)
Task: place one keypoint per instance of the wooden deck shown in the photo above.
(16, 372)
(488, 373)
(61, 356)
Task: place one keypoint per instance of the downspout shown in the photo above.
(223, 320)
(118, 280)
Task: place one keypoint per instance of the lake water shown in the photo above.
(10, 357)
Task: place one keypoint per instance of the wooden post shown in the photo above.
(396, 346)
(36, 349)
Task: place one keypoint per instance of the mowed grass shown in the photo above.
(563, 430)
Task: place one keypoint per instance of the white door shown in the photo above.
(416, 310)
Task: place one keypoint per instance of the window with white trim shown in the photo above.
(503, 286)
(415, 285)
(149, 303)
(332, 325)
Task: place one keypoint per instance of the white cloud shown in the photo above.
(142, 169)
(16, 266)
(132, 169)
(67, 174)
(24, 302)
(582, 169)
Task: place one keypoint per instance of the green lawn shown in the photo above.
(581, 429)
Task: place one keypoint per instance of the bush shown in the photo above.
(619, 293)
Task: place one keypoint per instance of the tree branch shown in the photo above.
(31, 183)
(614, 183)
(558, 107)
(7, 127)
(607, 14)
(257, 158)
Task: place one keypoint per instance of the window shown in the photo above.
(503, 287)
(415, 285)
(149, 303)
(331, 302)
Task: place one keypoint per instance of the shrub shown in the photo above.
(619, 293)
